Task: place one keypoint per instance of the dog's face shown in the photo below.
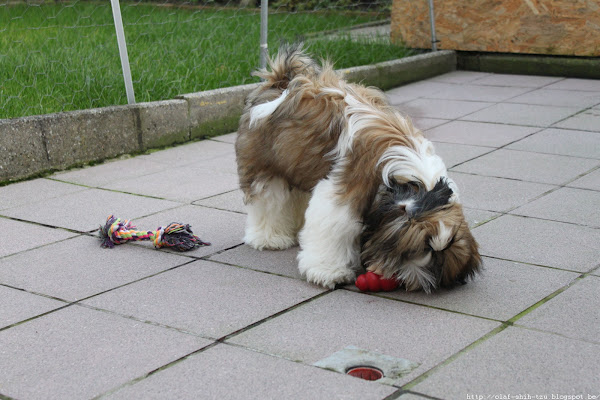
(419, 236)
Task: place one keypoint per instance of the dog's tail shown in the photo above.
(291, 60)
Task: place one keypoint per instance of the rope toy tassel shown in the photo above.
(176, 236)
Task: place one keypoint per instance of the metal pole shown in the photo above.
(264, 19)
(432, 21)
(116, 9)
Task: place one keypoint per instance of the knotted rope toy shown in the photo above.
(176, 235)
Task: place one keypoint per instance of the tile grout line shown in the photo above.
(563, 185)
(556, 334)
(78, 234)
(76, 302)
(398, 393)
(508, 323)
(222, 340)
(451, 358)
(552, 295)
(534, 265)
(382, 295)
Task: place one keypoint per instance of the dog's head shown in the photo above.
(419, 236)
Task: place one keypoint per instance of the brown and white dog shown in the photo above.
(331, 165)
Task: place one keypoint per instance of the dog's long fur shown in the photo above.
(331, 164)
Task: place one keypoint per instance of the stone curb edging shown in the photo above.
(529, 64)
(31, 146)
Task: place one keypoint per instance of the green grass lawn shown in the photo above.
(64, 56)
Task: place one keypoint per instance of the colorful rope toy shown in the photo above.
(176, 236)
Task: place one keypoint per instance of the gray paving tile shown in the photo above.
(454, 154)
(223, 229)
(495, 194)
(321, 327)
(522, 114)
(444, 109)
(242, 374)
(190, 153)
(281, 262)
(227, 138)
(474, 92)
(574, 313)
(427, 123)
(576, 84)
(459, 77)
(79, 267)
(478, 133)
(503, 290)
(413, 396)
(477, 217)
(80, 353)
(207, 298)
(230, 201)
(190, 184)
(224, 163)
(517, 80)
(567, 205)
(84, 211)
(18, 305)
(527, 166)
(415, 90)
(588, 181)
(16, 236)
(109, 172)
(561, 98)
(561, 141)
(535, 241)
(588, 120)
(519, 361)
(34, 191)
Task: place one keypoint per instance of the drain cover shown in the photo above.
(354, 359)
(366, 373)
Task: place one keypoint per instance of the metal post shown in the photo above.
(432, 21)
(116, 9)
(264, 18)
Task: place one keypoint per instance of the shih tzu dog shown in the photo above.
(330, 165)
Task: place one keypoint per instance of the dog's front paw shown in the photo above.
(262, 241)
(324, 274)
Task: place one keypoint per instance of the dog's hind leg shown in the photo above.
(329, 240)
(275, 215)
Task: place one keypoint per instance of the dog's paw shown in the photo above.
(324, 274)
(269, 242)
(329, 279)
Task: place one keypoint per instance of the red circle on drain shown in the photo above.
(366, 373)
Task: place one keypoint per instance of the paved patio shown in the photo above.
(78, 321)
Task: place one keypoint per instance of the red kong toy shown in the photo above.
(371, 282)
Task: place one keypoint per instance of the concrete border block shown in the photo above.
(217, 111)
(22, 147)
(78, 137)
(390, 74)
(163, 123)
(525, 64)
(58, 141)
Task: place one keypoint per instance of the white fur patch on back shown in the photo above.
(440, 242)
(264, 110)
